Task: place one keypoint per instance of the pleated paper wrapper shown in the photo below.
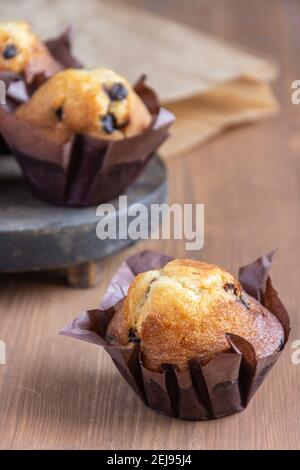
(209, 388)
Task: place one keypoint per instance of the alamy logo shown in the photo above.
(296, 94)
(139, 222)
(296, 353)
(2, 92)
(2, 353)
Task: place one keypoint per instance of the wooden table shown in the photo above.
(58, 393)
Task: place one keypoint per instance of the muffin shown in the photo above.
(71, 138)
(96, 102)
(184, 310)
(164, 325)
(23, 53)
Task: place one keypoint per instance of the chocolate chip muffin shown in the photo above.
(96, 102)
(22, 52)
(184, 310)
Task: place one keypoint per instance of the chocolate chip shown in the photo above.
(109, 123)
(118, 92)
(59, 113)
(109, 338)
(10, 51)
(230, 288)
(133, 338)
(243, 301)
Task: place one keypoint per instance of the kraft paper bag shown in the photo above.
(209, 84)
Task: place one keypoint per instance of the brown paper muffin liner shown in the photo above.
(210, 388)
(85, 171)
(20, 88)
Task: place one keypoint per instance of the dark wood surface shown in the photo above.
(35, 235)
(59, 393)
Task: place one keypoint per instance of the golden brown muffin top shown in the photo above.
(184, 310)
(96, 102)
(21, 50)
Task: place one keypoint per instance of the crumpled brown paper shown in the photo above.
(209, 389)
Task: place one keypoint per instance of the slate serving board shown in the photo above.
(37, 236)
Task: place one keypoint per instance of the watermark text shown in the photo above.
(2, 92)
(2, 353)
(156, 222)
(296, 352)
(296, 93)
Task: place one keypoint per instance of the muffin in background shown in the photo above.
(184, 310)
(96, 102)
(87, 142)
(23, 53)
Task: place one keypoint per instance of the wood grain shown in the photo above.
(56, 393)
